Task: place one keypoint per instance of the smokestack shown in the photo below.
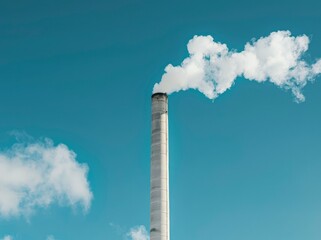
(159, 196)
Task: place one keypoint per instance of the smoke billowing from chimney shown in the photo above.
(212, 68)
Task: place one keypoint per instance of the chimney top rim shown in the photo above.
(159, 94)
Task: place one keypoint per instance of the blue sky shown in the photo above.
(245, 167)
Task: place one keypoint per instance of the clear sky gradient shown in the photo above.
(245, 167)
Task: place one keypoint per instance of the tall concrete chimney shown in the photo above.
(159, 196)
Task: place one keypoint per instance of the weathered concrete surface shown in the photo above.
(159, 209)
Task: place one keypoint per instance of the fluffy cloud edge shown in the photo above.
(138, 233)
(37, 174)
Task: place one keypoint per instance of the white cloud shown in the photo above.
(7, 237)
(138, 233)
(317, 67)
(212, 68)
(39, 174)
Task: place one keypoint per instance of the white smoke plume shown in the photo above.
(138, 233)
(38, 174)
(212, 68)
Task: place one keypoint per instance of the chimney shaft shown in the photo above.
(159, 196)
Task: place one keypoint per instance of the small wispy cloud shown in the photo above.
(37, 174)
(7, 237)
(50, 237)
(119, 230)
(134, 233)
(138, 233)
